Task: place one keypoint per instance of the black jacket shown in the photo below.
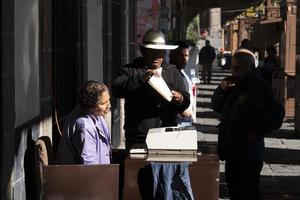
(249, 112)
(207, 55)
(145, 108)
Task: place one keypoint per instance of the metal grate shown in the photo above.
(66, 61)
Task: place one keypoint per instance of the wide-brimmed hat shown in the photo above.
(153, 39)
(246, 51)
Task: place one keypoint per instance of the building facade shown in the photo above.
(48, 49)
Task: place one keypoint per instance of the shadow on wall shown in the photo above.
(31, 169)
(20, 159)
(38, 153)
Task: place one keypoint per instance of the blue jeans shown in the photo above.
(184, 121)
(171, 181)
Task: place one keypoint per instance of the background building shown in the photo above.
(50, 47)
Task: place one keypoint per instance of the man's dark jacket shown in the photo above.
(207, 54)
(249, 112)
(145, 108)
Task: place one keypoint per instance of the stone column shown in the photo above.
(233, 36)
(297, 100)
(288, 54)
(243, 30)
(215, 31)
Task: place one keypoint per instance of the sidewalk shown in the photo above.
(281, 172)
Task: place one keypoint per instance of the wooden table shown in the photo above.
(204, 176)
(71, 182)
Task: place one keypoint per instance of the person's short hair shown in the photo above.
(246, 44)
(90, 94)
(182, 44)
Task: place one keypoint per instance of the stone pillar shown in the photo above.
(290, 47)
(289, 57)
(297, 100)
(215, 27)
(243, 30)
(233, 36)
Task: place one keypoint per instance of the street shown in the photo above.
(281, 172)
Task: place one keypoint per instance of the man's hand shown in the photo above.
(149, 73)
(177, 96)
(187, 113)
(227, 83)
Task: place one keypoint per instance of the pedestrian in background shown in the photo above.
(207, 56)
(145, 108)
(221, 58)
(246, 44)
(180, 57)
(249, 111)
(86, 138)
(271, 65)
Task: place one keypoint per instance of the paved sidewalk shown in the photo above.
(281, 172)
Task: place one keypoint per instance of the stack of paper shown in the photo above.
(181, 144)
(180, 141)
(159, 84)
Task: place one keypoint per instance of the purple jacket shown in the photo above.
(85, 140)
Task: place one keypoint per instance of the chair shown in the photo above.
(81, 182)
(74, 181)
(45, 151)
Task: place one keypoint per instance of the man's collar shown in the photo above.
(159, 70)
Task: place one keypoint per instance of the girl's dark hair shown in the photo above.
(90, 94)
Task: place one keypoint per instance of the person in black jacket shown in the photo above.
(145, 108)
(271, 65)
(249, 111)
(207, 56)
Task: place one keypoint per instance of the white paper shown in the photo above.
(171, 158)
(138, 151)
(159, 84)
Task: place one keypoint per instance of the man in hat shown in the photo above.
(249, 112)
(145, 108)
